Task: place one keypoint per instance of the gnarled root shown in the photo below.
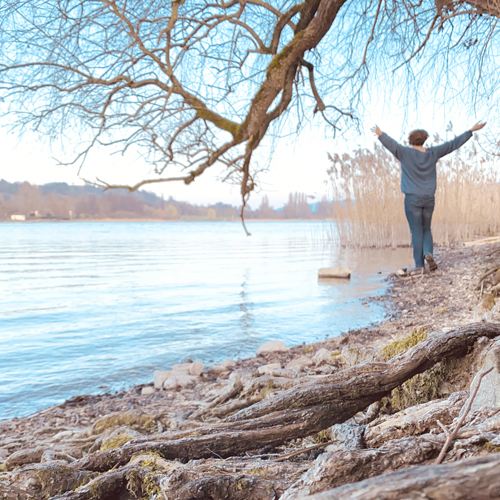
(245, 479)
(303, 410)
(476, 478)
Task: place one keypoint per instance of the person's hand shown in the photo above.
(376, 130)
(478, 126)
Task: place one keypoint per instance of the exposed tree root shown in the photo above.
(364, 384)
(303, 410)
(342, 467)
(475, 478)
(239, 479)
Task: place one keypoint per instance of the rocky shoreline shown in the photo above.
(81, 448)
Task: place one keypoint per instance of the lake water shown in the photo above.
(96, 307)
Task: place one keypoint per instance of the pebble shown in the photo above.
(160, 376)
(268, 369)
(273, 346)
(148, 390)
(218, 369)
(196, 368)
(322, 356)
(301, 362)
(182, 367)
(177, 381)
(229, 363)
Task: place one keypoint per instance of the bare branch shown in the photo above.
(450, 436)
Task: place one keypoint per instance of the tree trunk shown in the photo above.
(475, 478)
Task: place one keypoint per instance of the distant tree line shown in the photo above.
(59, 200)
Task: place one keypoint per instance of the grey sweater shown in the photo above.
(418, 168)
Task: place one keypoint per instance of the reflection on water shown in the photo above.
(246, 319)
(91, 305)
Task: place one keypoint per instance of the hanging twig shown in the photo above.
(450, 436)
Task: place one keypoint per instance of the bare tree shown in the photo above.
(194, 83)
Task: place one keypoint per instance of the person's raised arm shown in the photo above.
(387, 141)
(450, 146)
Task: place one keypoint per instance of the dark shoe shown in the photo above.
(432, 263)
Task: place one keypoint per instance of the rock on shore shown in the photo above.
(334, 272)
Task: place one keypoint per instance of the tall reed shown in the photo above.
(368, 208)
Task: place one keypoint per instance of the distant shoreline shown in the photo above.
(160, 220)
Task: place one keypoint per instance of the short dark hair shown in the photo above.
(418, 137)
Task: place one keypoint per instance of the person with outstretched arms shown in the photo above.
(418, 183)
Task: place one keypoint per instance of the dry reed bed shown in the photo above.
(371, 213)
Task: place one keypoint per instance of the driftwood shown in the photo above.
(312, 406)
(475, 478)
(43, 480)
(303, 410)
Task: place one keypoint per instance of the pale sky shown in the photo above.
(299, 163)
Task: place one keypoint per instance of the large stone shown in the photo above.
(268, 369)
(489, 390)
(273, 346)
(196, 368)
(160, 376)
(217, 369)
(323, 356)
(181, 367)
(145, 391)
(335, 272)
(301, 362)
(179, 381)
(241, 375)
(229, 363)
